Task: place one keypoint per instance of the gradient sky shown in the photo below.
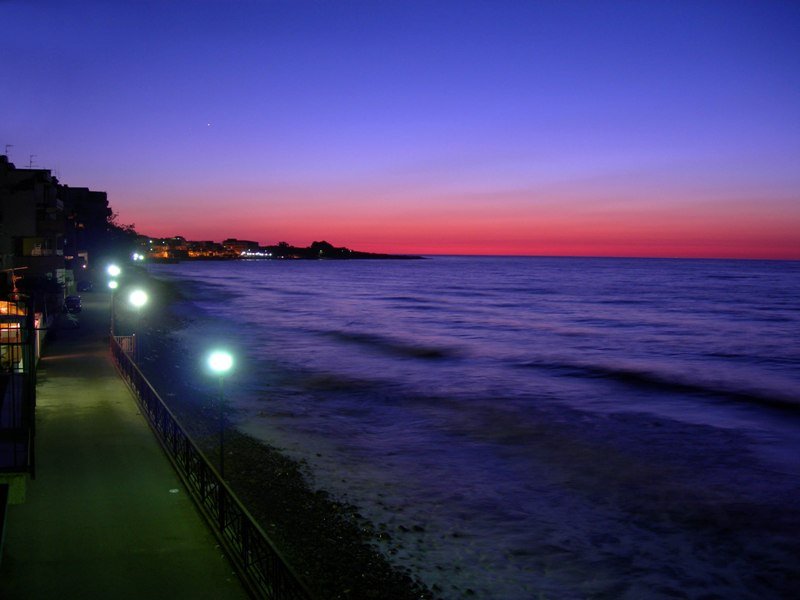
(494, 127)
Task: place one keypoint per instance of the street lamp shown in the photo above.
(113, 270)
(137, 298)
(220, 362)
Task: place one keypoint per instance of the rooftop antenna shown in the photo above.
(30, 162)
(6, 150)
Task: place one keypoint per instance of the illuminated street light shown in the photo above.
(138, 298)
(220, 362)
(113, 284)
(113, 270)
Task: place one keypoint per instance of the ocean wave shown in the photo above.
(332, 382)
(412, 305)
(391, 345)
(668, 382)
(408, 299)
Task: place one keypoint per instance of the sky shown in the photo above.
(668, 129)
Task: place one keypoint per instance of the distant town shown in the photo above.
(178, 248)
(51, 233)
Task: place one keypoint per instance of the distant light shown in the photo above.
(113, 270)
(138, 298)
(220, 362)
(255, 253)
(113, 284)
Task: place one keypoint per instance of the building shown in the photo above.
(237, 247)
(87, 217)
(168, 249)
(32, 223)
(208, 249)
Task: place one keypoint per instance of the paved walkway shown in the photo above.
(106, 516)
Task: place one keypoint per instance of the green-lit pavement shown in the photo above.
(106, 516)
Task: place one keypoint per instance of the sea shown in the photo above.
(531, 427)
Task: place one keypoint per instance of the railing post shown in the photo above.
(221, 508)
(246, 542)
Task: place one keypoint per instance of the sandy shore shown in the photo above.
(328, 543)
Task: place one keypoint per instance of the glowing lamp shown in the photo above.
(138, 298)
(220, 362)
(113, 270)
(113, 284)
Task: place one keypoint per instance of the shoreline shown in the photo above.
(327, 542)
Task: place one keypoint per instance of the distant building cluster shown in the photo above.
(179, 248)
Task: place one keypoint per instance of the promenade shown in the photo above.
(106, 516)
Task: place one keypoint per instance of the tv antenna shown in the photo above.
(6, 150)
(30, 162)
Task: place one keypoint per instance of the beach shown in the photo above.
(327, 542)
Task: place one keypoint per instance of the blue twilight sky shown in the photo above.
(607, 128)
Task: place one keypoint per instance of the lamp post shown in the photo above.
(137, 298)
(113, 271)
(113, 285)
(220, 363)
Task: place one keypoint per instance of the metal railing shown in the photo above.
(263, 569)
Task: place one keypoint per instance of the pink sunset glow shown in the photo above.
(665, 130)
